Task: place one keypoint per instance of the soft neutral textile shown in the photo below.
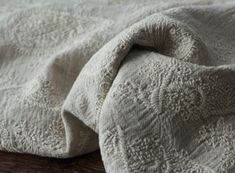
(149, 82)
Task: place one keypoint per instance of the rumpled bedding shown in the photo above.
(149, 82)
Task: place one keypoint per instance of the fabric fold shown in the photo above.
(150, 84)
(160, 32)
(153, 94)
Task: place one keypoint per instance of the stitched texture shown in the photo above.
(150, 83)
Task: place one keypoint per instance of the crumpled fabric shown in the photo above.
(150, 83)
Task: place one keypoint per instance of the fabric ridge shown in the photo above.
(149, 83)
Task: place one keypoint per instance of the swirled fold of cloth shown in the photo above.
(150, 83)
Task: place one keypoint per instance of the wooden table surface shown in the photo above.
(24, 163)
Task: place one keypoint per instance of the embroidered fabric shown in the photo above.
(152, 83)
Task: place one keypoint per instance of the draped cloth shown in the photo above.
(151, 83)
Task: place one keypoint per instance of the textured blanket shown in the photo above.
(149, 82)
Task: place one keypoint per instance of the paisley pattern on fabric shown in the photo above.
(151, 83)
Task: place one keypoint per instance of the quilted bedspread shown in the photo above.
(149, 82)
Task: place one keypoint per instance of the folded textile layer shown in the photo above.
(151, 83)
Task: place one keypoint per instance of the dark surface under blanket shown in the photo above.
(24, 163)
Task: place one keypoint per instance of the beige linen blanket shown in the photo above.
(149, 82)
